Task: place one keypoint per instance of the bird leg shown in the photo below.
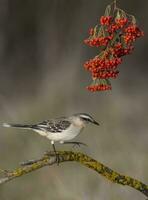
(75, 143)
(56, 154)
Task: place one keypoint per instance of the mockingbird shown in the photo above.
(60, 129)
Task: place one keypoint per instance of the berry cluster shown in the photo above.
(98, 87)
(98, 41)
(114, 35)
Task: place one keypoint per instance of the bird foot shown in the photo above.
(76, 143)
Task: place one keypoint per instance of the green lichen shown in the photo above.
(85, 160)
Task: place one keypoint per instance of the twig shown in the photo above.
(50, 159)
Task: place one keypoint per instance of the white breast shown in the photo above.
(66, 135)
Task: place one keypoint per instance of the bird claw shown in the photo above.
(79, 144)
(49, 153)
(76, 143)
(57, 158)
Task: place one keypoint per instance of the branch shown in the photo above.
(50, 159)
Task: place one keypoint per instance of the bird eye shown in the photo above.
(86, 119)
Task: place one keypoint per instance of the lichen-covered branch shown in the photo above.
(50, 159)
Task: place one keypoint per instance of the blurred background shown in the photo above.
(42, 77)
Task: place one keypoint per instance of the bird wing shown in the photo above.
(54, 126)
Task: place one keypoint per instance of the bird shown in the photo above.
(62, 129)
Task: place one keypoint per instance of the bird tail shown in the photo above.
(17, 126)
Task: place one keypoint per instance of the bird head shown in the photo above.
(84, 118)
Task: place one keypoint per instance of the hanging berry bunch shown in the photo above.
(114, 35)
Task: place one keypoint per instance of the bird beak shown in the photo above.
(96, 123)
